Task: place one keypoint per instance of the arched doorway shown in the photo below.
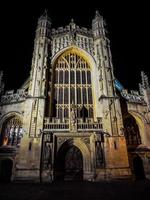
(138, 168)
(6, 170)
(69, 163)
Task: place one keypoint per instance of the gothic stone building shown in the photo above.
(72, 119)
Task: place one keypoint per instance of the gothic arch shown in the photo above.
(83, 148)
(15, 118)
(88, 57)
(79, 144)
(138, 116)
(85, 152)
(140, 120)
(132, 132)
(87, 91)
(8, 115)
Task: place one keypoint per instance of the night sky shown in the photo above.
(127, 25)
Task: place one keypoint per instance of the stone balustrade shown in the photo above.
(55, 125)
(11, 97)
(133, 96)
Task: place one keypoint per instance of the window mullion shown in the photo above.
(63, 92)
(75, 81)
(69, 83)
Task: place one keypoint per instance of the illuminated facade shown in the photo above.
(72, 120)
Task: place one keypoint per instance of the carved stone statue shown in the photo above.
(73, 119)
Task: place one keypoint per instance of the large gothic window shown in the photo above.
(12, 132)
(72, 85)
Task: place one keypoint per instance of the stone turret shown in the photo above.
(39, 68)
(98, 24)
(108, 102)
(112, 119)
(145, 88)
(40, 55)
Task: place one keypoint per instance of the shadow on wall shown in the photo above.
(138, 168)
(6, 170)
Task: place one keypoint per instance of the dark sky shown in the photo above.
(127, 25)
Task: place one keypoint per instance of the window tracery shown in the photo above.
(72, 84)
(12, 132)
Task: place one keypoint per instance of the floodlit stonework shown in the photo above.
(72, 119)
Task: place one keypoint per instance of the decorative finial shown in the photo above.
(97, 13)
(72, 20)
(145, 82)
(45, 13)
(72, 24)
(45, 16)
(141, 89)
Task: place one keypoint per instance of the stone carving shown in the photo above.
(145, 82)
(73, 118)
(34, 103)
(101, 81)
(106, 112)
(99, 154)
(134, 96)
(61, 140)
(11, 97)
(72, 35)
(122, 131)
(47, 157)
(86, 140)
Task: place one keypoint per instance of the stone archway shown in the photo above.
(6, 166)
(81, 168)
(138, 168)
(132, 132)
(69, 163)
(143, 126)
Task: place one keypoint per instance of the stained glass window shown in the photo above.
(12, 132)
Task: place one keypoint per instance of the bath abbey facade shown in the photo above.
(72, 119)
